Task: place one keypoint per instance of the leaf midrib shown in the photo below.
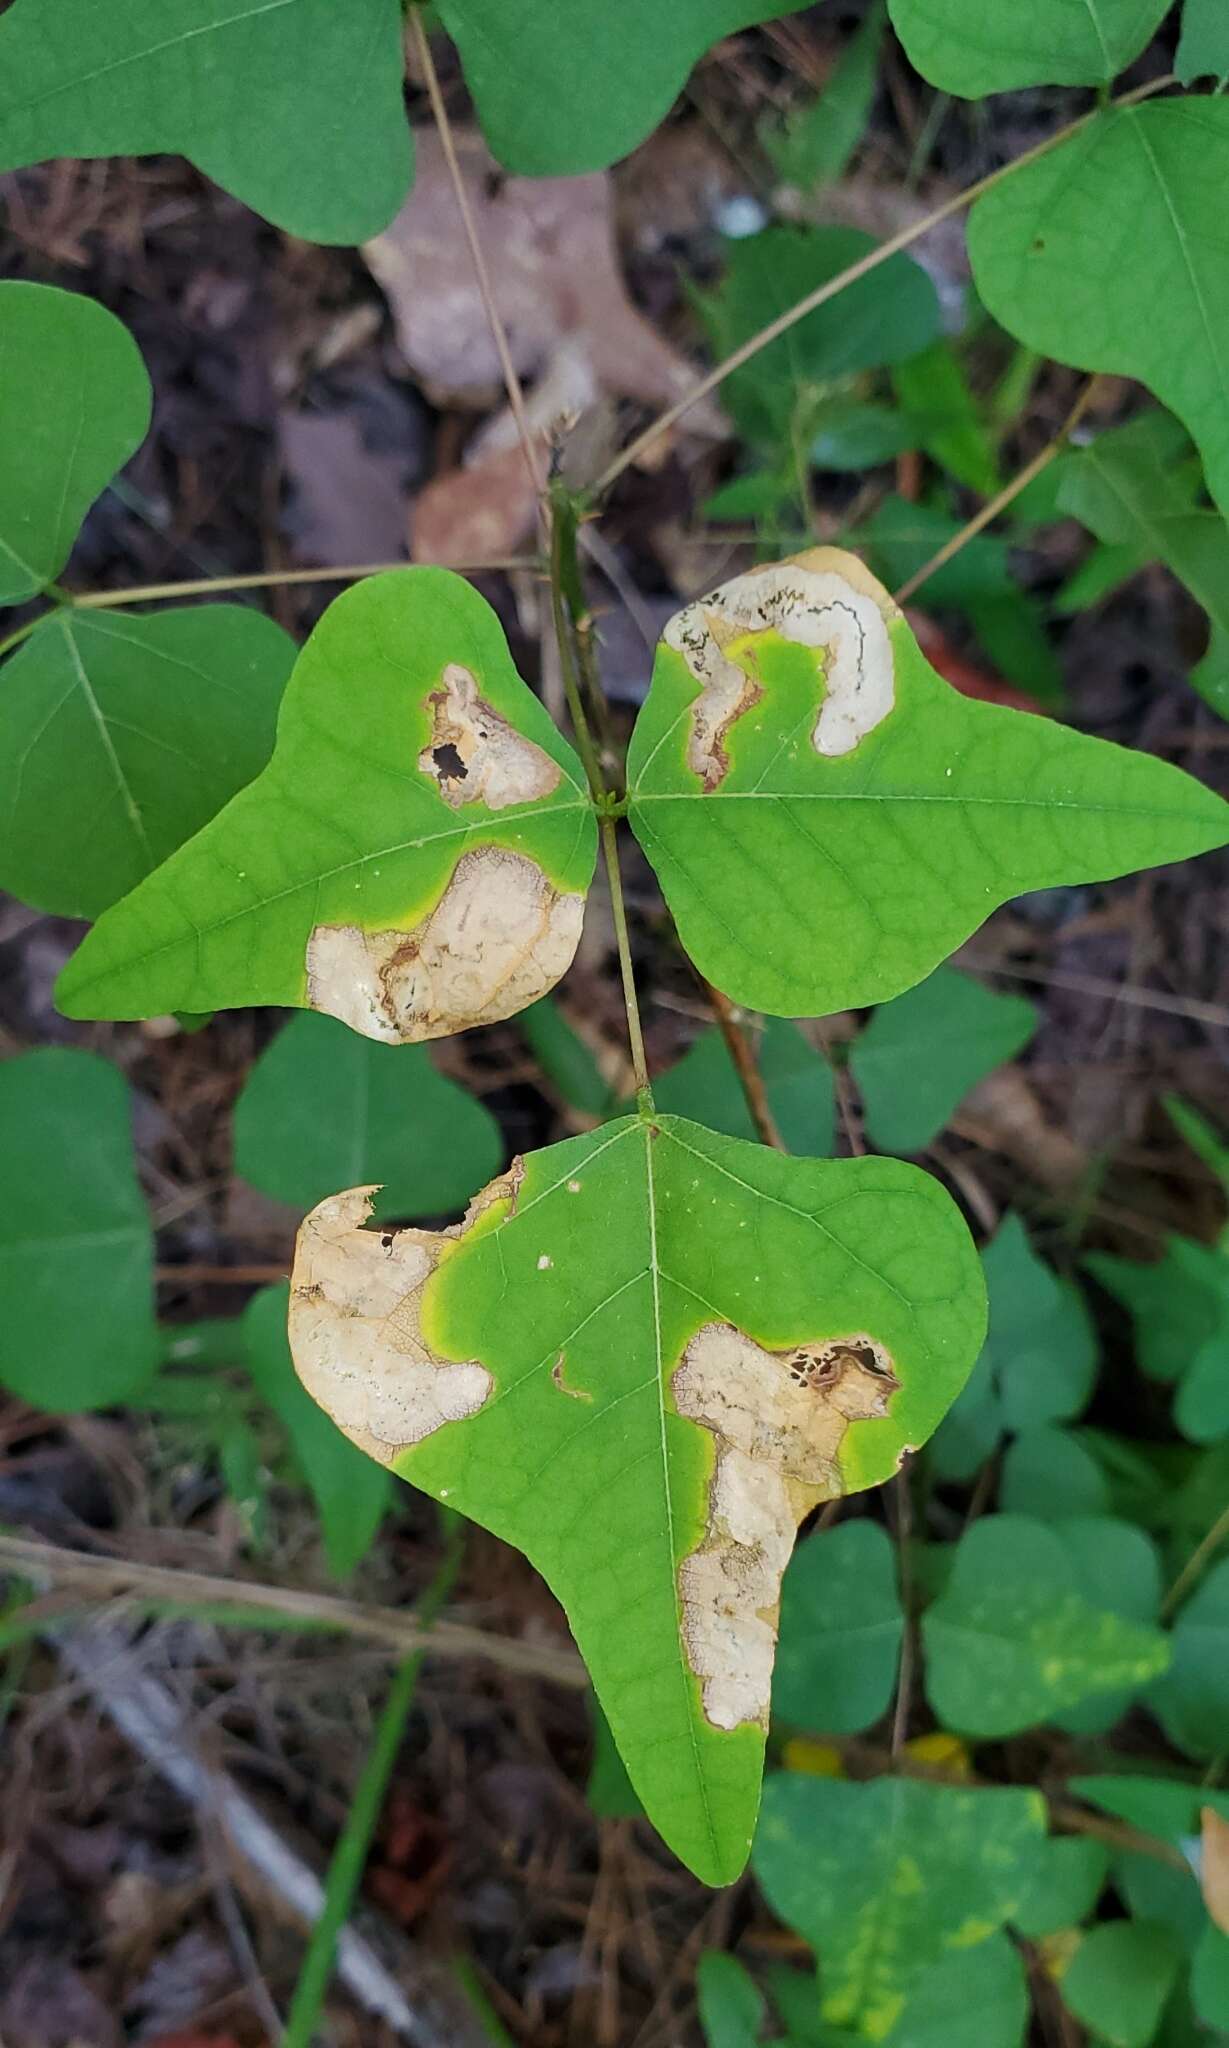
(142, 56)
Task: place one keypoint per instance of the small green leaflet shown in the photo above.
(885, 1878)
(1192, 1699)
(1118, 1570)
(704, 1086)
(1180, 1308)
(74, 405)
(1012, 1641)
(413, 860)
(1049, 1473)
(975, 47)
(920, 1055)
(1068, 1884)
(814, 146)
(971, 1998)
(841, 1628)
(1119, 1978)
(351, 1493)
(1056, 255)
(555, 84)
(121, 736)
(730, 2003)
(656, 1348)
(76, 1247)
(1203, 51)
(323, 1108)
(828, 819)
(295, 106)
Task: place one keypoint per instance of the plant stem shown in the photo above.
(512, 382)
(610, 849)
(1195, 1563)
(1002, 499)
(353, 572)
(350, 1854)
(22, 633)
(823, 293)
(746, 1067)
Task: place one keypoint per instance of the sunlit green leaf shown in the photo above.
(121, 736)
(1066, 1888)
(814, 146)
(413, 859)
(74, 405)
(350, 1491)
(841, 1627)
(76, 1248)
(1106, 253)
(883, 1878)
(665, 1322)
(1203, 51)
(568, 85)
(1012, 1641)
(825, 843)
(323, 1109)
(1119, 1978)
(704, 1085)
(1192, 1699)
(920, 1055)
(295, 106)
(974, 47)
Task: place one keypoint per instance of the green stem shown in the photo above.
(610, 849)
(350, 1854)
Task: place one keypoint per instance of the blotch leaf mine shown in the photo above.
(364, 873)
(828, 818)
(642, 1358)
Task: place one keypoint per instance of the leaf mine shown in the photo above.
(355, 1323)
(500, 936)
(475, 757)
(824, 600)
(779, 1419)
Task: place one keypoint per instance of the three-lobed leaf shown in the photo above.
(413, 859)
(295, 106)
(74, 405)
(884, 1879)
(76, 1247)
(828, 818)
(121, 736)
(702, 1336)
(323, 1108)
(1056, 255)
(974, 47)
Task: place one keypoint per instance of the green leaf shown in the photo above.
(76, 1248)
(262, 95)
(351, 1493)
(74, 405)
(1118, 1570)
(610, 1792)
(1056, 255)
(1012, 1641)
(1192, 1699)
(884, 1878)
(1201, 1138)
(920, 1055)
(1210, 1979)
(975, 47)
(413, 860)
(973, 1998)
(841, 1627)
(1119, 1979)
(730, 2002)
(565, 1058)
(1132, 493)
(1156, 1806)
(668, 1323)
(814, 146)
(1203, 51)
(704, 1086)
(322, 1109)
(1042, 1344)
(1049, 1473)
(809, 875)
(934, 391)
(1179, 1304)
(121, 736)
(882, 318)
(562, 86)
(1066, 1888)
(854, 434)
(980, 583)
